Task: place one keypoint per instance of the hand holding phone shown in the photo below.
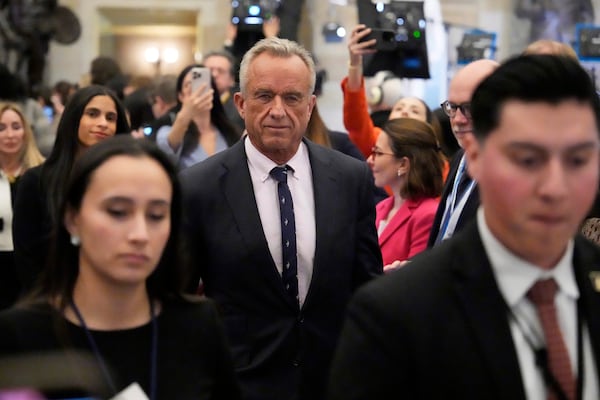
(385, 39)
(200, 75)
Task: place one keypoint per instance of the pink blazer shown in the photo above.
(408, 231)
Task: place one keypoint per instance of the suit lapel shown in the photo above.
(402, 215)
(238, 191)
(485, 311)
(586, 262)
(439, 214)
(325, 183)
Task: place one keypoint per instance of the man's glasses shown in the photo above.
(375, 152)
(450, 109)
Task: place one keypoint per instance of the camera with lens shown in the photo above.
(251, 14)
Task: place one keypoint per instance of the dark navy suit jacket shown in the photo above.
(280, 352)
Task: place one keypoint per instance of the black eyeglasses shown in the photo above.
(450, 109)
(377, 153)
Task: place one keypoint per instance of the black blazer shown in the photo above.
(280, 352)
(469, 211)
(32, 227)
(438, 328)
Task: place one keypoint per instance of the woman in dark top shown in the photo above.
(92, 114)
(18, 153)
(114, 285)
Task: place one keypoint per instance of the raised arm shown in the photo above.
(357, 120)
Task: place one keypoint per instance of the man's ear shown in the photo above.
(311, 104)
(473, 148)
(239, 101)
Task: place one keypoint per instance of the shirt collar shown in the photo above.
(515, 276)
(264, 165)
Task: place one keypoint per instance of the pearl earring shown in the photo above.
(75, 241)
(399, 173)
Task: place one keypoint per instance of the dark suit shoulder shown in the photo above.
(429, 277)
(334, 157)
(341, 142)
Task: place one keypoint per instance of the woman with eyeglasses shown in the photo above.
(407, 159)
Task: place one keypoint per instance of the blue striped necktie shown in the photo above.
(289, 274)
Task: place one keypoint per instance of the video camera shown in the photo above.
(250, 14)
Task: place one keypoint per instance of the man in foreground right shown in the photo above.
(508, 308)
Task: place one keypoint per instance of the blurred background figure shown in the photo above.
(383, 90)
(137, 101)
(162, 95)
(222, 67)
(106, 71)
(14, 90)
(93, 114)
(18, 153)
(554, 19)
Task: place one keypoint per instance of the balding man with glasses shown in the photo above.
(460, 197)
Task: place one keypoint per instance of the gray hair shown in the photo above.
(222, 53)
(277, 47)
(165, 86)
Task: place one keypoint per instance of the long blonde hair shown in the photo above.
(30, 155)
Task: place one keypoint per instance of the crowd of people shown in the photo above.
(222, 243)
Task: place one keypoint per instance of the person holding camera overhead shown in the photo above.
(201, 127)
(357, 121)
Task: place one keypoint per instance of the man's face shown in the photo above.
(220, 68)
(460, 91)
(537, 174)
(276, 105)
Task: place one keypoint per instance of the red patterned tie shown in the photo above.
(542, 296)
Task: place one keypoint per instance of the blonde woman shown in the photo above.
(18, 152)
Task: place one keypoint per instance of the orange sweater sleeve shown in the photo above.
(357, 120)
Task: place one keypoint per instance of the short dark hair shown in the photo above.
(168, 279)
(57, 167)
(417, 141)
(531, 78)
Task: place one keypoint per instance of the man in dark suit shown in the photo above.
(463, 320)
(460, 197)
(282, 321)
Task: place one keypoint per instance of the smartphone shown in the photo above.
(200, 75)
(385, 39)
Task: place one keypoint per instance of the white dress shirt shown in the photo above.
(515, 277)
(6, 240)
(301, 187)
